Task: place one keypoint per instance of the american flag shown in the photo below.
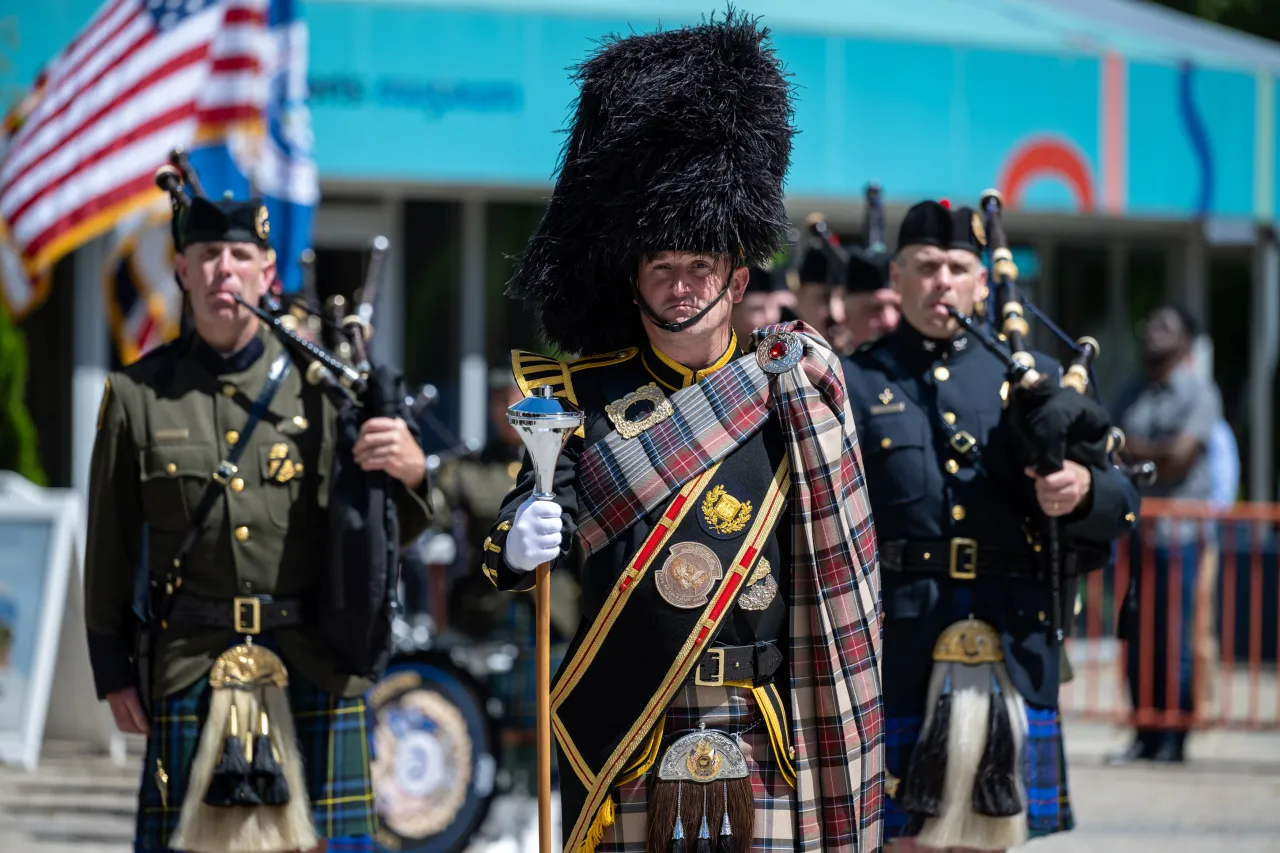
(142, 77)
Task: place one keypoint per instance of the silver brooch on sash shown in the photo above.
(761, 588)
(779, 352)
(688, 575)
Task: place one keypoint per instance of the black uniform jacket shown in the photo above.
(604, 712)
(596, 382)
(917, 402)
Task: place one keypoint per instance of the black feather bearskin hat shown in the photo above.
(680, 141)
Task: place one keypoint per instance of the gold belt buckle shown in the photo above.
(964, 559)
(254, 624)
(716, 680)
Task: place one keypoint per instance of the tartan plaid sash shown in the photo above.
(621, 480)
(837, 716)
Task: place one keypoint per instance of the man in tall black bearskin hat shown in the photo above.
(723, 685)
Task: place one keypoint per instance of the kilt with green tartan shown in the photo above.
(732, 710)
(333, 741)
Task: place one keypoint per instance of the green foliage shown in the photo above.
(19, 450)
(1257, 17)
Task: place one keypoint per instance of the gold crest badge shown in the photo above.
(261, 224)
(658, 410)
(979, 233)
(279, 466)
(724, 513)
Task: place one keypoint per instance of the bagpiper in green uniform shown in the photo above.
(283, 760)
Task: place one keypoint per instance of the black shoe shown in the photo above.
(1138, 750)
(1171, 750)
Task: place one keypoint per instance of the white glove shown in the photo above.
(535, 535)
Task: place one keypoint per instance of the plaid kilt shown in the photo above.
(333, 741)
(731, 709)
(517, 690)
(1044, 766)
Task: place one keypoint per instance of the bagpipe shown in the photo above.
(359, 598)
(1050, 422)
(873, 221)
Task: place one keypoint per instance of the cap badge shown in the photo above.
(979, 233)
(260, 223)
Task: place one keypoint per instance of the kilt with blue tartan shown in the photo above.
(333, 741)
(732, 710)
(1044, 771)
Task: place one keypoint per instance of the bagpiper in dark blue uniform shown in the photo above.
(962, 557)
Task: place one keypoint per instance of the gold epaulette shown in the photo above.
(532, 370)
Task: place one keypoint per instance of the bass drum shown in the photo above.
(433, 762)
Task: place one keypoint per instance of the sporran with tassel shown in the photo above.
(246, 792)
(965, 777)
(700, 797)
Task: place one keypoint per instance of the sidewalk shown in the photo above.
(1226, 798)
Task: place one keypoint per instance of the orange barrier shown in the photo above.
(1233, 652)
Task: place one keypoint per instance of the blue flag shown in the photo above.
(277, 163)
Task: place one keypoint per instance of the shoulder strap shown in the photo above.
(279, 370)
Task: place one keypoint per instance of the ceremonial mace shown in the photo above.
(544, 423)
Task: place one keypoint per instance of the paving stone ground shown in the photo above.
(1226, 798)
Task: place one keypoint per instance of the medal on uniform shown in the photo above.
(688, 576)
(761, 588)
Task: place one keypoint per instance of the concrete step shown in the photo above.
(86, 800)
(26, 844)
(68, 827)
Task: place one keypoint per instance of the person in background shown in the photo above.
(871, 306)
(766, 301)
(820, 291)
(1168, 416)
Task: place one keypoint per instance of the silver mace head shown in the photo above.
(544, 423)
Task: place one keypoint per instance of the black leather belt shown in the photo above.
(244, 614)
(962, 559)
(756, 663)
